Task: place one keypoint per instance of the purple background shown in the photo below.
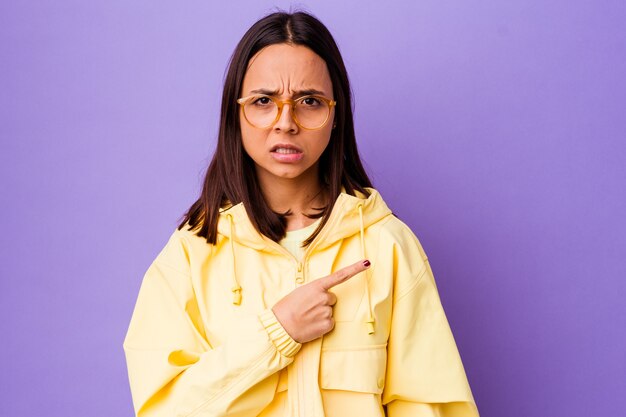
(495, 129)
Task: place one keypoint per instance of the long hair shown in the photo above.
(231, 176)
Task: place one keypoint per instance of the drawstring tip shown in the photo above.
(370, 326)
(237, 296)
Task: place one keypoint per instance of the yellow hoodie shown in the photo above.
(203, 340)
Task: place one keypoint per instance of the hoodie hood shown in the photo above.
(350, 215)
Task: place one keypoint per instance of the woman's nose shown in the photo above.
(285, 121)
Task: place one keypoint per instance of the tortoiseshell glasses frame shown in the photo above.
(329, 104)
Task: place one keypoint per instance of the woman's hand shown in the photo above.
(306, 313)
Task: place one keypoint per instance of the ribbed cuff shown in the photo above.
(278, 335)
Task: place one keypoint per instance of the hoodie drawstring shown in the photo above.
(370, 317)
(236, 287)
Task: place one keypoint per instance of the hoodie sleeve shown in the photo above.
(175, 371)
(425, 375)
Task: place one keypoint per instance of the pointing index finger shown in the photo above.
(343, 274)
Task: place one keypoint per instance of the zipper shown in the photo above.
(297, 365)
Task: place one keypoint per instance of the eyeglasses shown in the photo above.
(309, 112)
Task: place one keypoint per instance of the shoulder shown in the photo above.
(401, 252)
(395, 231)
(182, 247)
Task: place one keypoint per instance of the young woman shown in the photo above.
(290, 288)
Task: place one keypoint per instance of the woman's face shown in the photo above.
(287, 70)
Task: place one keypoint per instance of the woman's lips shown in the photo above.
(286, 154)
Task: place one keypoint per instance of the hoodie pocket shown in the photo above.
(360, 369)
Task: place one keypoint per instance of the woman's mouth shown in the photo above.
(286, 153)
(286, 150)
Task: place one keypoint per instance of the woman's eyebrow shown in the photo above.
(297, 93)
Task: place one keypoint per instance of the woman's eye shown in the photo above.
(263, 101)
(311, 101)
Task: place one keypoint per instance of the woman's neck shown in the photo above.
(299, 195)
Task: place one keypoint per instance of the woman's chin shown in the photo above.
(282, 172)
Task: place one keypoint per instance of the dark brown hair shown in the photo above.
(231, 176)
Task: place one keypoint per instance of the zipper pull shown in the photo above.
(299, 273)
